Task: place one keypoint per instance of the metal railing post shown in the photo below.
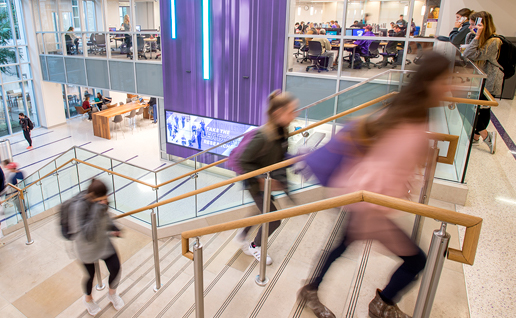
(100, 284)
(155, 249)
(432, 274)
(24, 218)
(426, 189)
(262, 279)
(199, 279)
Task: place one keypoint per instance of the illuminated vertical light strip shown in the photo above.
(206, 39)
(173, 17)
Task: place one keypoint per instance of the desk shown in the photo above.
(149, 41)
(118, 38)
(101, 119)
(348, 46)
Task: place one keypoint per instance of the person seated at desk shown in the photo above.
(354, 25)
(392, 46)
(87, 106)
(74, 39)
(363, 46)
(326, 47)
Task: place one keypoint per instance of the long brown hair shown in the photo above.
(489, 27)
(464, 12)
(414, 100)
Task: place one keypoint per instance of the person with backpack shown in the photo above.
(484, 51)
(27, 126)
(268, 145)
(85, 220)
(386, 168)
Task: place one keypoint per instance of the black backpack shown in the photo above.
(30, 123)
(64, 214)
(507, 57)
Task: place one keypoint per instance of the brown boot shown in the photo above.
(309, 294)
(379, 309)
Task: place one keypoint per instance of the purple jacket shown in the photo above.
(364, 44)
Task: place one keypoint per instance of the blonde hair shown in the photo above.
(489, 27)
(278, 100)
(126, 19)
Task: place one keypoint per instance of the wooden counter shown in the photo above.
(101, 119)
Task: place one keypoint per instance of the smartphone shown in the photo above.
(463, 19)
(477, 22)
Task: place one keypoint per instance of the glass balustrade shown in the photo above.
(137, 191)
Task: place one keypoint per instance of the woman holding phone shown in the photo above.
(484, 51)
(460, 31)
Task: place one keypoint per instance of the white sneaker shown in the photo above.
(117, 302)
(256, 252)
(91, 306)
(492, 141)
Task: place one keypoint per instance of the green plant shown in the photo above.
(7, 56)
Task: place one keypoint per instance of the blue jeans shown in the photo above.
(155, 112)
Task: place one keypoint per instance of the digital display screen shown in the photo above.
(202, 133)
(358, 32)
(331, 33)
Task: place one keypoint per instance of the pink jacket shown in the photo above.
(387, 169)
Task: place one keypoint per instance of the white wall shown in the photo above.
(116, 96)
(503, 12)
(113, 19)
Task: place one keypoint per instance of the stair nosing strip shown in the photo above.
(272, 283)
(327, 249)
(186, 286)
(248, 272)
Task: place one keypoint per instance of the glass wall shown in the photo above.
(359, 38)
(16, 93)
(112, 29)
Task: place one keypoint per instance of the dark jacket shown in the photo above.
(152, 101)
(2, 180)
(457, 36)
(391, 46)
(24, 123)
(269, 146)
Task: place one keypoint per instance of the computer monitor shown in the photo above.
(113, 29)
(331, 33)
(358, 32)
(383, 32)
(349, 32)
(138, 28)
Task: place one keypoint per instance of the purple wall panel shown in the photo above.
(247, 40)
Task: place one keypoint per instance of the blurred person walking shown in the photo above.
(387, 168)
(91, 227)
(484, 50)
(27, 126)
(268, 146)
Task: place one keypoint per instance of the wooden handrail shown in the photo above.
(438, 136)
(452, 147)
(490, 102)
(473, 224)
(9, 197)
(215, 185)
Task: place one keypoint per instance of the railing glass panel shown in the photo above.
(49, 188)
(33, 195)
(179, 210)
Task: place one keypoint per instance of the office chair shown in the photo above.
(315, 54)
(373, 53)
(100, 43)
(132, 118)
(91, 44)
(304, 49)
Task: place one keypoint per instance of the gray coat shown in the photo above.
(487, 58)
(91, 225)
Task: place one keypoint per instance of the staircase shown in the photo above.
(297, 247)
